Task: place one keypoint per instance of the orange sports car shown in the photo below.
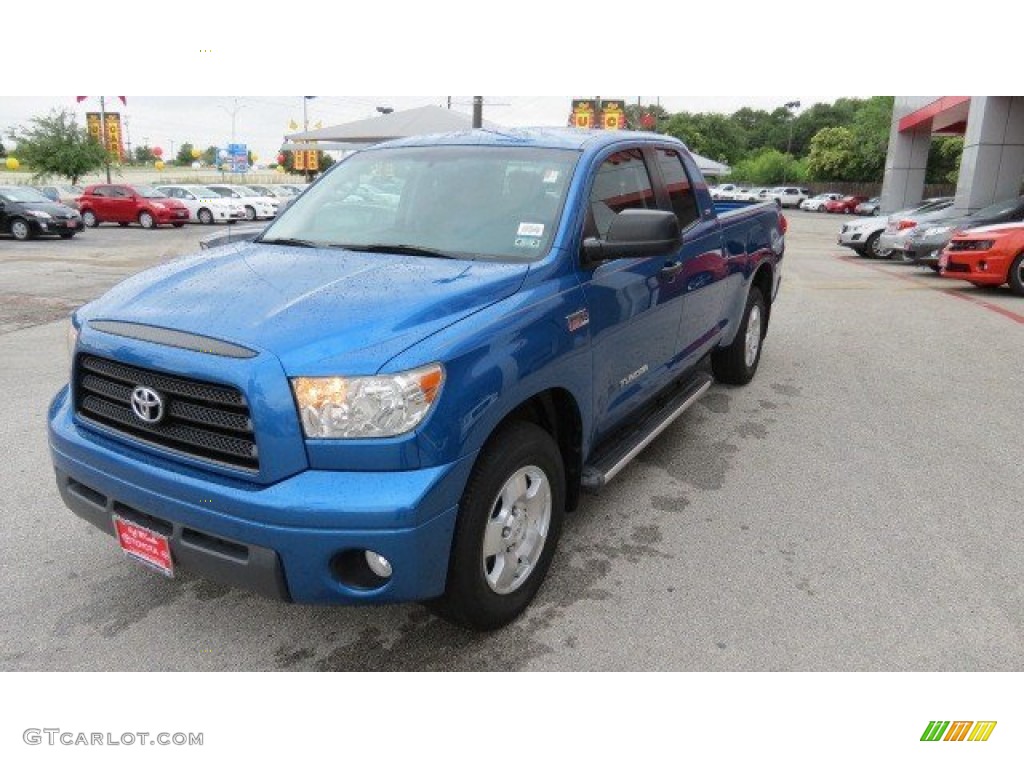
(987, 256)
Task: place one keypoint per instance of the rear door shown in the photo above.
(704, 265)
(632, 307)
(120, 204)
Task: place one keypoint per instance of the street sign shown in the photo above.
(238, 155)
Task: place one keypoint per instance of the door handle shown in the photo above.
(671, 269)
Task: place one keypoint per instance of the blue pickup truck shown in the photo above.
(396, 397)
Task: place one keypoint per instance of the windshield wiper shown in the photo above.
(411, 250)
(291, 241)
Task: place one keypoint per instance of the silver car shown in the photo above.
(905, 224)
(865, 235)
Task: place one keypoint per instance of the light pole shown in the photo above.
(789, 105)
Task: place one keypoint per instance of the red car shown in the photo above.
(845, 205)
(987, 257)
(130, 203)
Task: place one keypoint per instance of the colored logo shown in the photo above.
(958, 730)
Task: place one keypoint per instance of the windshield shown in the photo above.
(246, 192)
(26, 195)
(998, 210)
(202, 192)
(489, 202)
(150, 192)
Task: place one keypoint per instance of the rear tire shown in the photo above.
(737, 363)
(1016, 276)
(89, 219)
(512, 508)
(123, 223)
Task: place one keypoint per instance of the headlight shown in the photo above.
(976, 245)
(366, 406)
(159, 206)
(932, 231)
(39, 214)
(72, 338)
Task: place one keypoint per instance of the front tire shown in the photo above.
(871, 247)
(66, 235)
(1016, 276)
(146, 220)
(250, 213)
(510, 519)
(205, 216)
(21, 230)
(737, 363)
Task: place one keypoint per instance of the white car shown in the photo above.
(754, 195)
(282, 195)
(817, 203)
(724, 192)
(256, 206)
(204, 205)
(790, 197)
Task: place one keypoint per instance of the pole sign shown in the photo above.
(613, 115)
(583, 113)
(239, 158)
(114, 141)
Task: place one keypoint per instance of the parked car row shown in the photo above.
(64, 210)
(786, 197)
(986, 248)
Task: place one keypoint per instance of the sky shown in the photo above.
(262, 121)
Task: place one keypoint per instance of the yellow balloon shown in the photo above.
(12, 163)
(159, 164)
(280, 169)
(255, 157)
(196, 154)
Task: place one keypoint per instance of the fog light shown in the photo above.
(378, 564)
(983, 266)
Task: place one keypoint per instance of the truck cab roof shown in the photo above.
(548, 138)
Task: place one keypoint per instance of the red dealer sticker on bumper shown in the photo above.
(151, 549)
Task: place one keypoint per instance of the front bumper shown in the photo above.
(54, 226)
(280, 539)
(171, 215)
(978, 267)
(925, 251)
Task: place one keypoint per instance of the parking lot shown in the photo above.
(856, 507)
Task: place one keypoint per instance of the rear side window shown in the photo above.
(100, 192)
(680, 191)
(622, 183)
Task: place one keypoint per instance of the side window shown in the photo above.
(621, 183)
(119, 192)
(680, 191)
(100, 192)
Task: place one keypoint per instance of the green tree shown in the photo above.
(184, 156)
(712, 135)
(3, 152)
(833, 155)
(944, 160)
(144, 155)
(872, 122)
(55, 145)
(769, 167)
(636, 114)
(210, 156)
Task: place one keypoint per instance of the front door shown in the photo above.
(633, 311)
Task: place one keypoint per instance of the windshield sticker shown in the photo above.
(528, 229)
(551, 177)
(527, 242)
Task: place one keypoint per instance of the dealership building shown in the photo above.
(992, 166)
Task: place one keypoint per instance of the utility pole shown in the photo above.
(236, 108)
(478, 111)
(305, 124)
(103, 135)
(449, 102)
(792, 118)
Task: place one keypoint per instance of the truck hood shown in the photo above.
(321, 311)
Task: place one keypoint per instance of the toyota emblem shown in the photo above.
(147, 404)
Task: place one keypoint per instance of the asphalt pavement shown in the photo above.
(856, 507)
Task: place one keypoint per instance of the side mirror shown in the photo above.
(634, 232)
